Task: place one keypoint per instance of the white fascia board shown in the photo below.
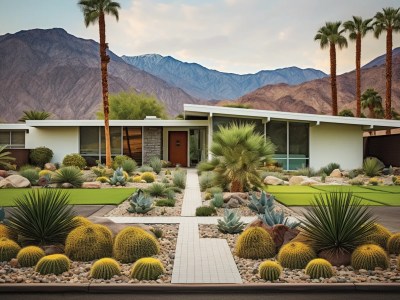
(279, 115)
(9, 126)
(82, 123)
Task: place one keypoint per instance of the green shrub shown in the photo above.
(205, 211)
(295, 255)
(318, 268)
(40, 156)
(29, 256)
(156, 164)
(28, 167)
(42, 217)
(158, 232)
(31, 174)
(356, 181)
(70, 175)
(145, 168)
(369, 257)
(118, 161)
(101, 171)
(206, 180)
(166, 202)
(74, 160)
(218, 200)
(231, 222)
(255, 243)
(105, 268)
(329, 168)
(147, 268)
(215, 190)
(179, 179)
(372, 166)
(270, 270)
(309, 172)
(8, 249)
(53, 264)
(156, 189)
(129, 166)
(132, 243)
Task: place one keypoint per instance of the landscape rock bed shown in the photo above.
(79, 271)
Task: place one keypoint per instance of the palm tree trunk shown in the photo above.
(105, 59)
(358, 75)
(388, 104)
(333, 79)
(236, 186)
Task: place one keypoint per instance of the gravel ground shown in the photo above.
(248, 268)
(79, 272)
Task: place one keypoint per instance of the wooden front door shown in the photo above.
(178, 147)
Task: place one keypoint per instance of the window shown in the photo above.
(14, 139)
(133, 143)
(292, 142)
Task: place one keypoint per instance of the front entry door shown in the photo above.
(177, 147)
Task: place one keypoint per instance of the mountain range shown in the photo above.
(204, 83)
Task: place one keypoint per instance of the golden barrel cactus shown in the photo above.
(105, 268)
(295, 255)
(369, 257)
(147, 268)
(318, 268)
(270, 270)
(379, 236)
(53, 264)
(393, 244)
(255, 243)
(8, 249)
(29, 256)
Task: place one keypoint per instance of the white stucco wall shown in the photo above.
(342, 144)
(62, 140)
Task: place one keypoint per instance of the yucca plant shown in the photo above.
(231, 222)
(372, 166)
(129, 166)
(70, 175)
(156, 189)
(42, 217)
(337, 223)
(5, 157)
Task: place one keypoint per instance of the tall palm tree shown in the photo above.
(34, 115)
(373, 101)
(94, 11)
(389, 21)
(358, 28)
(331, 35)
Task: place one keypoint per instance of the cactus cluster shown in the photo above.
(379, 236)
(29, 256)
(393, 244)
(231, 222)
(53, 264)
(140, 203)
(8, 249)
(295, 255)
(81, 221)
(318, 268)
(105, 268)
(133, 243)
(86, 243)
(147, 268)
(255, 243)
(369, 257)
(270, 270)
(149, 177)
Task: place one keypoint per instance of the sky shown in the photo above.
(238, 36)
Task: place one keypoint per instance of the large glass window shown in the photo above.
(14, 139)
(292, 142)
(223, 121)
(133, 143)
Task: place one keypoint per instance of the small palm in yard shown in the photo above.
(5, 157)
(238, 154)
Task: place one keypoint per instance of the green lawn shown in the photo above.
(344, 188)
(389, 189)
(293, 189)
(112, 196)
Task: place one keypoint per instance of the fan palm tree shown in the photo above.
(94, 11)
(370, 99)
(34, 115)
(357, 29)
(331, 35)
(389, 21)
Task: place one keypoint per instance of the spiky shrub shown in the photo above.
(86, 243)
(275, 216)
(129, 166)
(218, 200)
(5, 157)
(158, 232)
(105, 268)
(42, 217)
(368, 257)
(41, 155)
(295, 255)
(259, 205)
(74, 160)
(118, 178)
(166, 202)
(270, 270)
(393, 244)
(329, 168)
(255, 243)
(81, 221)
(206, 180)
(53, 264)
(337, 223)
(8, 249)
(29, 256)
(147, 268)
(318, 268)
(239, 151)
(31, 174)
(156, 164)
(156, 189)
(148, 177)
(205, 211)
(133, 243)
(379, 235)
(140, 203)
(372, 166)
(179, 179)
(145, 168)
(71, 175)
(231, 222)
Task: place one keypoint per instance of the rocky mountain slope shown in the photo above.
(204, 83)
(57, 72)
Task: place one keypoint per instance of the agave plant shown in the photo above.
(5, 159)
(140, 203)
(231, 223)
(337, 223)
(118, 178)
(274, 216)
(70, 175)
(372, 166)
(260, 205)
(42, 217)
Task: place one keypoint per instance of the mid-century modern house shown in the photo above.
(301, 139)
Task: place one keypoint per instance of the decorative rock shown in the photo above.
(272, 180)
(67, 185)
(3, 173)
(50, 167)
(309, 182)
(297, 180)
(228, 196)
(15, 181)
(336, 173)
(232, 203)
(91, 185)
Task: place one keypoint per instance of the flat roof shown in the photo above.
(13, 126)
(368, 124)
(138, 123)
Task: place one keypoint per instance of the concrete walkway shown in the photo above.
(192, 196)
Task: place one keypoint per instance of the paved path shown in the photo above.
(192, 196)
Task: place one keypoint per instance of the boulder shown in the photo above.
(309, 181)
(91, 185)
(228, 196)
(67, 185)
(15, 181)
(272, 180)
(232, 203)
(50, 167)
(336, 173)
(297, 180)
(258, 223)
(3, 173)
